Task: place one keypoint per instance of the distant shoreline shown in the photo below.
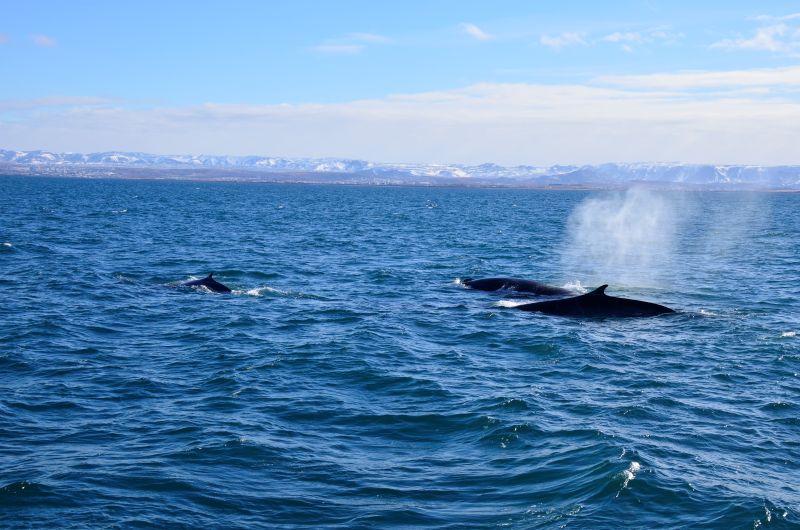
(343, 179)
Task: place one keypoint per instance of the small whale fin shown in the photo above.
(600, 291)
(210, 274)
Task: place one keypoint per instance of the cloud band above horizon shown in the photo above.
(736, 117)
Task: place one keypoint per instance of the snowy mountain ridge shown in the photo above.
(679, 175)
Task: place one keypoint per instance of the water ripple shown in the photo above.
(350, 382)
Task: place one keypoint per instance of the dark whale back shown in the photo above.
(597, 304)
(209, 283)
(515, 284)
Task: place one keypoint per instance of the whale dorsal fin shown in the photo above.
(600, 291)
(210, 274)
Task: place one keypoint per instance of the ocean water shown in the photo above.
(350, 381)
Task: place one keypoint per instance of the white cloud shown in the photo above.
(766, 39)
(44, 41)
(629, 40)
(765, 77)
(638, 119)
(351, 44)
(55, 101)
(373, 38)
(475, 32)
(339, 49)
(3, 38)
(777, 37)
(770, 18)
(562, 40)
(625, 40)
(631, 36)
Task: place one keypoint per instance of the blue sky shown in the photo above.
(437, 81)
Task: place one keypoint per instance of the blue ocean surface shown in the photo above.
(350, 380)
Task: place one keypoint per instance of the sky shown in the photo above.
(507, 82)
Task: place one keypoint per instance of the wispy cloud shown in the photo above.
(475, 32)
(779, 36)
(630, 40)
(3, 38)
(564, 39)
(373, 38)
(55, 101)
(763, 77)
(339, 49)
(350, 44)
(666, 35)
(44, 41)
(625, 39)
(630, 36)
(771, 18)
(766, 39)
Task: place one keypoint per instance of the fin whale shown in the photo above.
(209, 283)
(515, 284)
(597, 304)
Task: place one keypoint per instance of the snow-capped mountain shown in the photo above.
(115, 158)
(116, 163)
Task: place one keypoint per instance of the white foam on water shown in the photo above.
(260, 291)
(575, 286)
(128, 279)
(7, 245)
(511, 303)
(629, 474)
(789, 334)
